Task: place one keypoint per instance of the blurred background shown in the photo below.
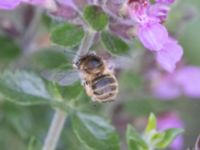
(24, 45)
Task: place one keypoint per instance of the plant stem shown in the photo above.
(55, 129)
(31, 30)
(85, 44)
(60, 116)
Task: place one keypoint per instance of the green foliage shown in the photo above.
(113, 43)
(134, 140)
(152, 139)
(67, 35)
(95, 17)
(189, 40)
(166, 137)
(95, 132)
(9, 49)
(49, 58)
(151, 125)
(33, 144)
(71, 92)
(24, 88)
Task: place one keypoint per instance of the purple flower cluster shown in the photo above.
(183, 81)
(153, 34)
(171, 120)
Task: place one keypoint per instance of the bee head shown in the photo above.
(90, 63)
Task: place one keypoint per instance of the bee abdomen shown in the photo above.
(105, 88)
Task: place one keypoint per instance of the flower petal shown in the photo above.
(165, 1)
(34, 2)
(153, 36)
(169, 55)
(9, 4)
(159, 11)
(165, 89)
(188, 79)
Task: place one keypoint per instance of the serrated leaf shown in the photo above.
(113, 43)
(94, 132)
(67, 35)
(24, 88)
(151, 125)
(95, 17)
(169, 136)
(134, 140)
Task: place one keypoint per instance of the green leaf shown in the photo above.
(95, 17)
(134, 140)
(94, 132)
(47, 59)
(67, 35)
(9, 49)
(33, 144)
(157, 136)
(24, 88)
(113, 43)
(151, 125)
(169, 136)
(71, 92)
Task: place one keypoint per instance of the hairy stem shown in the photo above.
(85, 44)
(55, 129)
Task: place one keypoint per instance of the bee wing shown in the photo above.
(63, 78)
(120, 62)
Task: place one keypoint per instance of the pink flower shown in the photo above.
(171, 120)
(153, 34)
(12, 4)
(159, 11)
(166, 90)
(165, 1)
(184, 81)
(9, 4)
(189, 79)
(169, 55)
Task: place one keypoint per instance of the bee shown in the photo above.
(97, 77)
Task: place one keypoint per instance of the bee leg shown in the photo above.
(88, 90)
(83, 83)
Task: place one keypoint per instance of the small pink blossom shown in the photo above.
(166, 89)
(171, 120)
(165, 1)
(153, 36)
(159, 11)
(12, 4)
(169, 55)
(184, 81)
(189, 79)
(9, 4)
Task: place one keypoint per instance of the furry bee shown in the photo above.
(98, 79)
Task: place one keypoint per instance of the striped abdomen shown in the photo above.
(105, 88)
